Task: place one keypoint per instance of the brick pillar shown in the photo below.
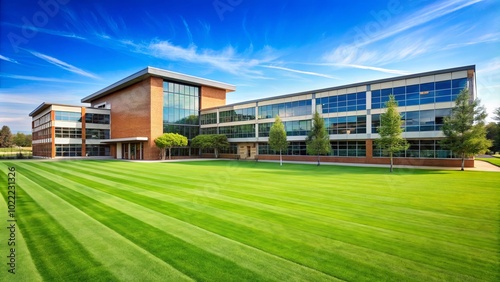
(369, 149)
(52, 134)
(84, 134)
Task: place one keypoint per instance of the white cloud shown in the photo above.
(300, 71)
(37, 78)
(63, 65)
(8, 59)
(385, 70)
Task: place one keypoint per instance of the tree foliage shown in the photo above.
(22, 140)
(277, 137)
(211, 141)
(465, 129)
(5, 137)
(493, 131)
(318, 141)
(167, 141)
(390, 130)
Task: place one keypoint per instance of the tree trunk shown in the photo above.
(318, 159)
(163, 154)
(216, 152)
(391, 161)
(463, 162)
(281, 159)
(169, 153)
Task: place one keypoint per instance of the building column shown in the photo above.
(119, 150)
(84, 134)
(369, 148)
(52, 134)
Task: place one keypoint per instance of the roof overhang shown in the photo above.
(164, 74)
(127, 139)
(43, 106)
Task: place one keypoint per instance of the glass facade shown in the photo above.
(68, 150)
(66, 132)
(181, 109)
(68, 116)
(346, 125)
(293, 128)
(418, 94)
(348, 148)
(294, 149)
(238, 131)
(210, 118)
(342, 103)
(91, 133)
(209, 130)
(237, 115)
(98, 150)
(97, 118)
(289, 109)
(419, 149)
(426, 120)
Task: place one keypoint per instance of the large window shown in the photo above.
(68, 116)
(413, 121)
(342, 103)
(418, 94)
(66, 132)
(237, 115)
(97, 118)
(98, 150)
(294, 149)
(292, 128)
(290, 109)
(210, 118)
(68, 150)
(419, 149)
(346, 125)
(348, 148)
(238, 131)
(209, 130)
(181, 110)
(91, 133)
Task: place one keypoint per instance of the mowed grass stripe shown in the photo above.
(25, 269)
(315, 254)
(189, 259)
(423, 223)
(258, 261)
(401, 245)
(57, 255)
(105, 245)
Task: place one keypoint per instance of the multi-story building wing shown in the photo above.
(151, 102)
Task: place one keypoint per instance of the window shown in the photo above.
(238, 131)
(68, 116)
(343, 103)
(237, 115)
(210, 118)
(97, 118)
(66, 132)
(68, 150)
(181, 110)
(346, 125)
(91, 133)
(289, 109)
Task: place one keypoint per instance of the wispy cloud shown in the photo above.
(59, 33)
(63, 65)
(226, 60)
(419, 17)
(38, 78)
(188, 31)
(8, 59)
(485, 38)
(384, 70)
(300, 71)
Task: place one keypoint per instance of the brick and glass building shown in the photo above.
(151, 102)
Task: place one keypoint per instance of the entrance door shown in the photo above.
(249, 151)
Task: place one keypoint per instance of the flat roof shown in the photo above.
(150, 71)
(127, 139)
(473, 67)
(43, 106)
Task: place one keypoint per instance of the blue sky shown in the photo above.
(64, 50)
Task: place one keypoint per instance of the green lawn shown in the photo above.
(250, 221)
(495, 160)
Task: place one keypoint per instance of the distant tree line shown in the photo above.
(7, 139)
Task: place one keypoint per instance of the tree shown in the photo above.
(318, 141)
(5, 137)
(464, 129)
(277, 137)
(493, 133)
(22, 140)
(211, 141)
(390, 130)
(169, 141)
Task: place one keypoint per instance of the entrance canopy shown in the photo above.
(123, 140)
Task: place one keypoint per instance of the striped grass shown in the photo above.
(237, 221)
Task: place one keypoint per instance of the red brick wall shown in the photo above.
(137, 111)
(397, 161)
(212, 97)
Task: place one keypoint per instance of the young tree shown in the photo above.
(277, 137)
(318, 141)
(465, 129)
(169, 141)
(211, 141)
(390, 130)
(5, 137)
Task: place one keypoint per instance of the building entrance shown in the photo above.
(132, 151)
